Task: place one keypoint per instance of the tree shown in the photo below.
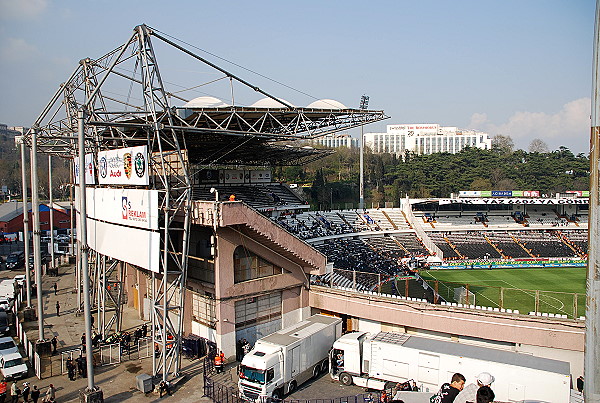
(503, 144)
(538, 146)
(481, 184)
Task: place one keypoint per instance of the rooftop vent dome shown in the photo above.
(327, 104)
(205, 102)
(270, 103)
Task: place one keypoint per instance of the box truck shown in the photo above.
(380, 361)
(282, 361)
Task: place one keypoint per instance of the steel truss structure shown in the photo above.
(179, 141)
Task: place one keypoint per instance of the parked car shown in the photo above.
(4, 327)
(15, 260)
(8, 346)
(5, 304)
(12, 366)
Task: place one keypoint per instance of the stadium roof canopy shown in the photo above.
(211, 130)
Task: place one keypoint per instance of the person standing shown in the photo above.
(469, 393)
(57, 308)
(26, 390)
(14, 392)
(219, 362)
(55, 288)
(54, 345)
(35, 394)
(449, 391)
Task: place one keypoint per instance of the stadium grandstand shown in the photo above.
(367, 248)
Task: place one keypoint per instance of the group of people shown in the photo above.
(456, 392)
(77, 365)
(243, 347)
(28, 392)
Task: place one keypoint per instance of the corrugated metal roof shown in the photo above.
(11, 210)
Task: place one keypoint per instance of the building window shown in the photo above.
(249, 266)
(257, 310)
(203, 309)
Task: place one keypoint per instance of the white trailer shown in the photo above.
(282, 361)
(380, 361)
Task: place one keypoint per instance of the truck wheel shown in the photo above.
(292, 387)
(316, 371)
(325, 366)
(345, 379)
(277, 394)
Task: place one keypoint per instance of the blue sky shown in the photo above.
(519, 68)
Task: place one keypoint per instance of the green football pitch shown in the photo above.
(551, 290)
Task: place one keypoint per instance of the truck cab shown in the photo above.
(345, 357)
(261, 373)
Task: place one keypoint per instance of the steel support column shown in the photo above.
(591, 359)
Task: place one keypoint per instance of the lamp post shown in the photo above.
(364, 103)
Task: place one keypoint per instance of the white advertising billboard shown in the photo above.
(232, 176)
(130, 207)
(132, 245)
(123, 224)
(123, 166)
(90, 178)
(260, 176)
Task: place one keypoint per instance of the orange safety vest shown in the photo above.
(218, 360)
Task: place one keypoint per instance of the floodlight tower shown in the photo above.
(364, 104)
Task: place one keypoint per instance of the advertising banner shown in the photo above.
(123, 166)
(232, 176)
(515, 201)
(90, 178)
(501, 193)
(469, 193)
(208, 176)
(132, 245)
(130, 207)
(260, 176)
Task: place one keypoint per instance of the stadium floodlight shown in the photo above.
(364, 104)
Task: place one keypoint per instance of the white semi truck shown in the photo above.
(381, 360)
(282, 361)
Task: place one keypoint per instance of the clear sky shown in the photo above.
(515, 67)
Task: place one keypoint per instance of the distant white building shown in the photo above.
(425, 138)
(337, 140)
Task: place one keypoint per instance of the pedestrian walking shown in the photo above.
(55, 288)
(35, 394)
(50, 394)
(57, 308)
(25, 392)
(54, 345)
(83, 342)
